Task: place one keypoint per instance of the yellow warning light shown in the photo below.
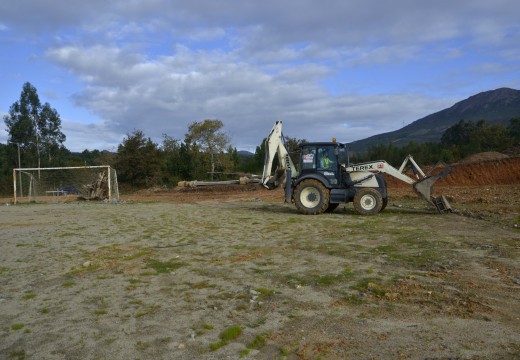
(333, 139)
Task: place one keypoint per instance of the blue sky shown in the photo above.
(334, 68)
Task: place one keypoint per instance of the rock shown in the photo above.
(87, 263)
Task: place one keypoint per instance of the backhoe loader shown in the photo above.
(326, 178)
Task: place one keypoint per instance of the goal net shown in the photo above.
(65, 183)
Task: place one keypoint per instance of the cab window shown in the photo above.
(309, 157)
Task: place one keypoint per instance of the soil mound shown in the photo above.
(483, 156)
(490, 172)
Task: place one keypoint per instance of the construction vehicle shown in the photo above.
(326, 178)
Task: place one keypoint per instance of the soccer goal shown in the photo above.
(63, 183)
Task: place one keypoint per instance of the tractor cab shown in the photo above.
(324, 158)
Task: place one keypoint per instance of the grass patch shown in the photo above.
(231, 333)
(163, 266)
(353, 299)
(82, 270)
(257, 342)
(17, 326)
(323, 280)
(418, 258)
(148, 311)
(265, 292)
(17, 354)
(331, 279)
(29, 295)
(371, 285)
(44, 311)
(69, 284)
(138, 255)
(226, 336)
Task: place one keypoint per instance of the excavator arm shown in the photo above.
(275, 148)
(422, 183)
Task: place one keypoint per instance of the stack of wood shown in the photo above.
(98, 190)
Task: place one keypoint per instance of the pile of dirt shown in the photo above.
(513, 150)
(483, 156)
(504, 171)
(486, 168)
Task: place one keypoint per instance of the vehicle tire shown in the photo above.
(311, 197)
(331, 208)
(368, 201)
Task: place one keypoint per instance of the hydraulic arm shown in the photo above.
(275, 148)
(422, 183)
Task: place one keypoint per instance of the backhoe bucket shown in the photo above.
(424, 188)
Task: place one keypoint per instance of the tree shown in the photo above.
(209, 138)
(8, 162)
(514, 129)
(177, 160)
(33, 125)
(138, 160)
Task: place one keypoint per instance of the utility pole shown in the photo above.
(19, 166)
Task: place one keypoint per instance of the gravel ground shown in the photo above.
(218, 275)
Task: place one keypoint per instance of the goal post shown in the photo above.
(59, 184)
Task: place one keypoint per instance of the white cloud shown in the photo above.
(159, 65)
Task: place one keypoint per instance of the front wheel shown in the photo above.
(368, 201)
(311, 197)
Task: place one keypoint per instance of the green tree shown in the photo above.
(176, 160)
(34, 126)
(233, 157)
(138, 161)
(7, 163)
(293, 148)
(210, 139)
(514, 129)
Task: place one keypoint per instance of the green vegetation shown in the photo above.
(371, 285)
(205, 151)
(29, 295)
(17, 326)
(457, 142)
(257, 342)
(163, 267)
(18, 354)
(226, 336)
(320, 280)
(150, 310)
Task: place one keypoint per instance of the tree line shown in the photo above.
(457, 142)
(35, 139)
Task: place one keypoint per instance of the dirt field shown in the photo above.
(227, 274)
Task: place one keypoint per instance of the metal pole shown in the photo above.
(14, 185)
(109, 186)
(19, 166)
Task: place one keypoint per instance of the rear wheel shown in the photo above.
(368, 201)
(311, 197)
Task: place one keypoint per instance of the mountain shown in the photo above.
(245, 153)
(494, 106)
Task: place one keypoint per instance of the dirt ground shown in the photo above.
(229, 273)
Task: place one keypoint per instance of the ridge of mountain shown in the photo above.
(495, 106)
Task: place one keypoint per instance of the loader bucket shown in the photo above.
(424, 188)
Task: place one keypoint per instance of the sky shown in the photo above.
(347, 69)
